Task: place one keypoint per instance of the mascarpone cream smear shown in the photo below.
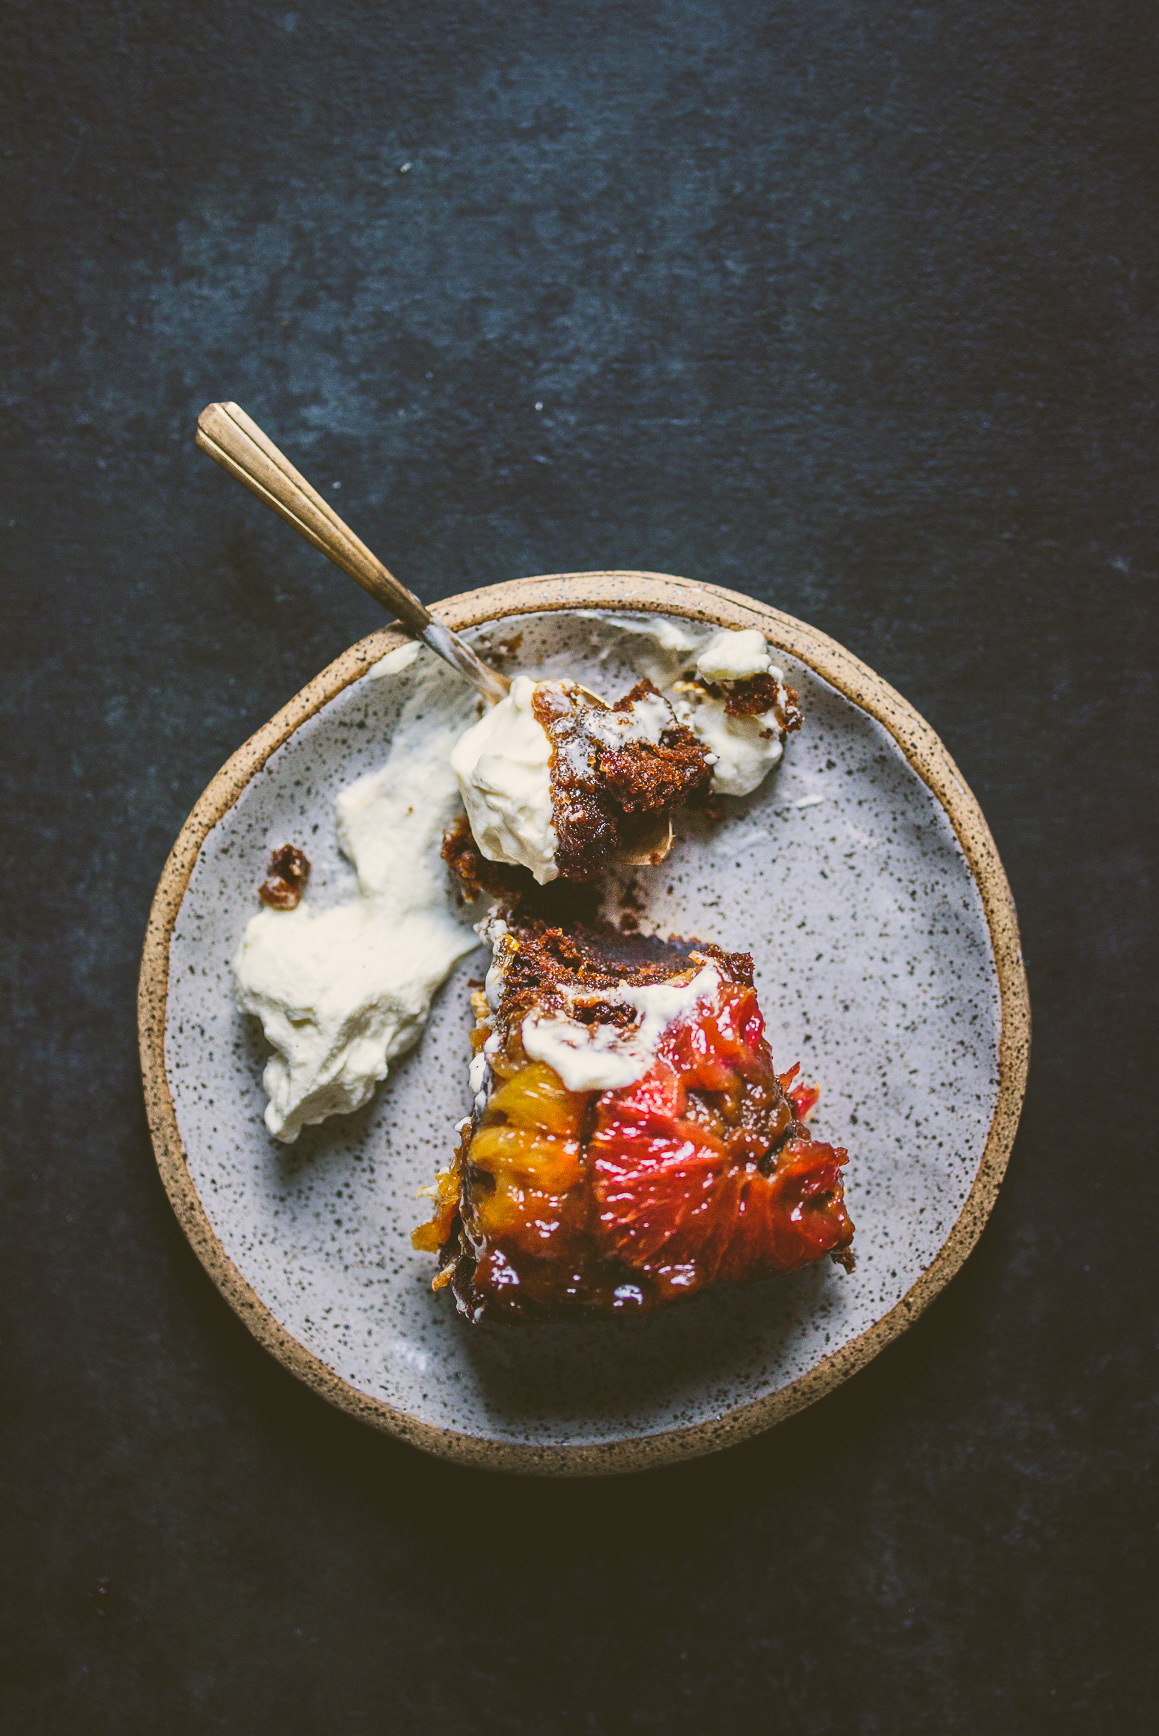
(743, 750)
(602, 1057)
(501, 766)
(343, 990)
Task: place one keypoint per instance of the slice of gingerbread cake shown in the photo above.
(631, 1142)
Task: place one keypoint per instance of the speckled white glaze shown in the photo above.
(875, 969)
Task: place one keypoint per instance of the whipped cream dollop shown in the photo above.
(343, 991)
(501, 766)
(743, 749)
(734, 655)
(608, 1057)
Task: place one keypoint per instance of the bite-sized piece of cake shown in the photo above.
(615, 770)
(556, 781)
(734, 699)
(630, 1141)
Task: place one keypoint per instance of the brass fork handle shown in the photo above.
(235, 441)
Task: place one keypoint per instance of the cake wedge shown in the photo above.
(630, 1141)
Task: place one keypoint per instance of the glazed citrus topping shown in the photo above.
(701, 1170)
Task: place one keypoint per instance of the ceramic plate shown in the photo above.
(863, 880)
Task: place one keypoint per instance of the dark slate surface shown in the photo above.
(850, 305)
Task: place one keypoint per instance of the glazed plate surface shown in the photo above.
(862, 879)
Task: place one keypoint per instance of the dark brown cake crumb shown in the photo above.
(475, 872)
(756, 695)
(607, 793)
(516, 888)
(650, 778)
(501, 651)
(288, 871)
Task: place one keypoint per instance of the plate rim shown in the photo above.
(625, 591)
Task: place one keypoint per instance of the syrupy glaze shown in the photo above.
(702, 1170)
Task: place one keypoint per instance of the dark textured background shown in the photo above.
(848, 304)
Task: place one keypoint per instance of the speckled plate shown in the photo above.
(865, 883)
